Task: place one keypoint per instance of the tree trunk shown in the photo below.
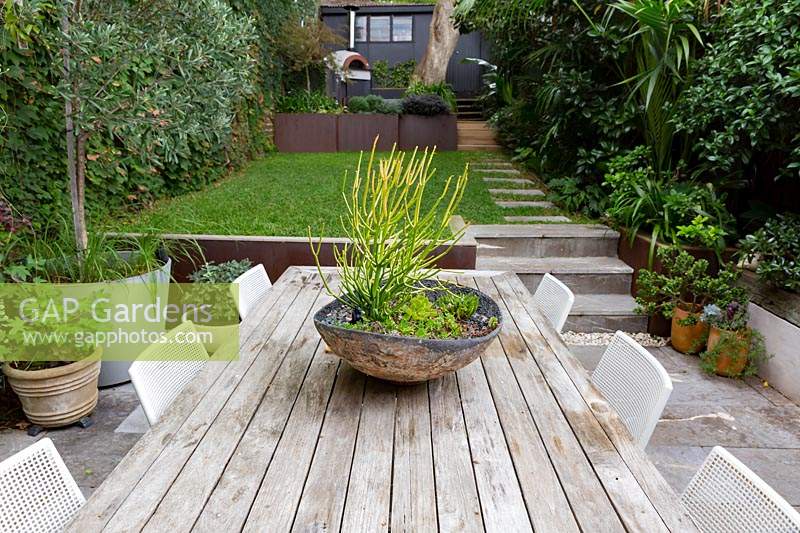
(442, 41)
(76, 165)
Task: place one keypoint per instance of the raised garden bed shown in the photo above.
(306, 132)
(312, 132)
(357, 132)
(419, 131)
(776, 313)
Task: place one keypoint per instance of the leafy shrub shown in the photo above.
(306, 102)
(642, 200)
(744, 103)
(226, 272)
(427, 105)
(372, 104)
(577, 196)
(777, 247)
(443, 90)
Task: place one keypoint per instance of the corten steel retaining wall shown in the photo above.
(312, 132)
(279, 253)
(440, 131)
(357, 132)
(305, 132)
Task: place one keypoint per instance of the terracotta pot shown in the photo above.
(732, 361)
(405, 360)
(687, 339)
(60, 396)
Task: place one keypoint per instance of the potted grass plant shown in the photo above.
(734, 349)
(391, 317)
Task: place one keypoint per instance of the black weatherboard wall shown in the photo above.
(465, 78)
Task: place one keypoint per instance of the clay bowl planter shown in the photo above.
(404, 360)
(59, 396)
(687, 339)
(732, 360)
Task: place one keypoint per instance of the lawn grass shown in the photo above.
(284, 194)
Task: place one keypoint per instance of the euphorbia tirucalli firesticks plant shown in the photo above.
(393, 232)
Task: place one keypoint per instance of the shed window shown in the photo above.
(379, 29)
(361, 29)
(402, 28)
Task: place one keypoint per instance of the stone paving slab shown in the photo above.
(518, 192)
(515, 181)
(537, 218)
(508, 204)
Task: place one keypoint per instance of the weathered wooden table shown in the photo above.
(290, 438)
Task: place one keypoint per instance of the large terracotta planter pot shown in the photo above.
(405, 360)
(358, 131)
(732, 361)
(687, 339)
(59, 396)
(421, 132)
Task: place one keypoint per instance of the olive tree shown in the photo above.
(151, 74)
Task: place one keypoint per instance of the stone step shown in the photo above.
(510, 204)
(585, 275)
(545, 240)
(537, 218)
(518, 192)
(605, 312)
(508, 171)
(516, 181)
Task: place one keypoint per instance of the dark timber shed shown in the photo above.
(399, 32)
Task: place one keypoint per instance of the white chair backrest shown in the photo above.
(554, 300)
(725, 496)
(635, 384)
(249, 288)
(37, 492)
(162, 371)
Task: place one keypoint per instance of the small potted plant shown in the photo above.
(734, 349)
(209, 285)
(392, 319)
(678, 293)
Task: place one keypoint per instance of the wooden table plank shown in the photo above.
(547, 505)
(457, 501)
(369, 491)
(498, 487)
(413, 486)
(231, 499)
(322, 501)
(116, 488)
(192, 462)
(627, 496)
(661, 495)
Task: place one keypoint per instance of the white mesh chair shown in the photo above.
(726, 496)
(635, 384)
(252, 285)
(37, 492)
(162, 371)
(554, 300)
